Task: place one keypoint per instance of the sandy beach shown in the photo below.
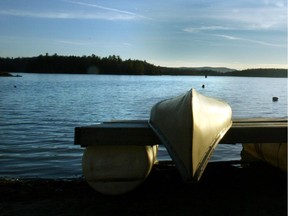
(224, 189)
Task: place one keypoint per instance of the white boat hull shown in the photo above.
(274, 154)
(190, 126)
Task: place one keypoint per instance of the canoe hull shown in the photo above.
(190, 126)
(116, 170)
(274, 154)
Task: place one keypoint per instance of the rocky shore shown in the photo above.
(224, 189)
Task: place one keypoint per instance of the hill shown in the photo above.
(216, 69)
(260, 72)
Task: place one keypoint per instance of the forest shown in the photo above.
(115, 65)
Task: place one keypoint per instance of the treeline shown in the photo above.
(190, 71)
(260, 72)
(78, 65)
(115, 65)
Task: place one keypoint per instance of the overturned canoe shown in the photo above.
(116, 169)
(274, 154)
(190, 126)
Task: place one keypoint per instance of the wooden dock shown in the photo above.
(138, 132)
(101, 160)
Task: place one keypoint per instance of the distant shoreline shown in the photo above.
(111, 74)
(114, 65)
(6, 74)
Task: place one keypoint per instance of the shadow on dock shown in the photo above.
(224, 189)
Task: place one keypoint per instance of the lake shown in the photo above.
(38, 113)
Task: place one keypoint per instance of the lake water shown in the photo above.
(38, 113)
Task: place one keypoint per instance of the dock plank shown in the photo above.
(138, 132)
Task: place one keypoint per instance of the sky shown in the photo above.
(238, 34)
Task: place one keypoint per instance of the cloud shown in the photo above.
(113, 12)
(65, 15)
(127, 44)
(102, 7)
(50, 15)
(205, 28)
(251, 41)
(74, 43)
(101, 12)
(243, 15)
(277, 3)
(229, 37)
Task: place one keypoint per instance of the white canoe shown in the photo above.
(190, 126)
(274, 154)
(117, 169)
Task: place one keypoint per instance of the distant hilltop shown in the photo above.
(260, 72)
(216, 69)
(115, 65)
(211, 71)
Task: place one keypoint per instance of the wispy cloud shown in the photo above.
(75, 43)
(49, 15)
(112, 13)
(242, 21)
(102, 12)
(259, 20)
(102, 7)
(42, 40)
(127, 44)
(205, 28)
(239, 15)
(277, 3)
(65, 15)
(228, 37)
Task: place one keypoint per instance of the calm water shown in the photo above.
(38, 113)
